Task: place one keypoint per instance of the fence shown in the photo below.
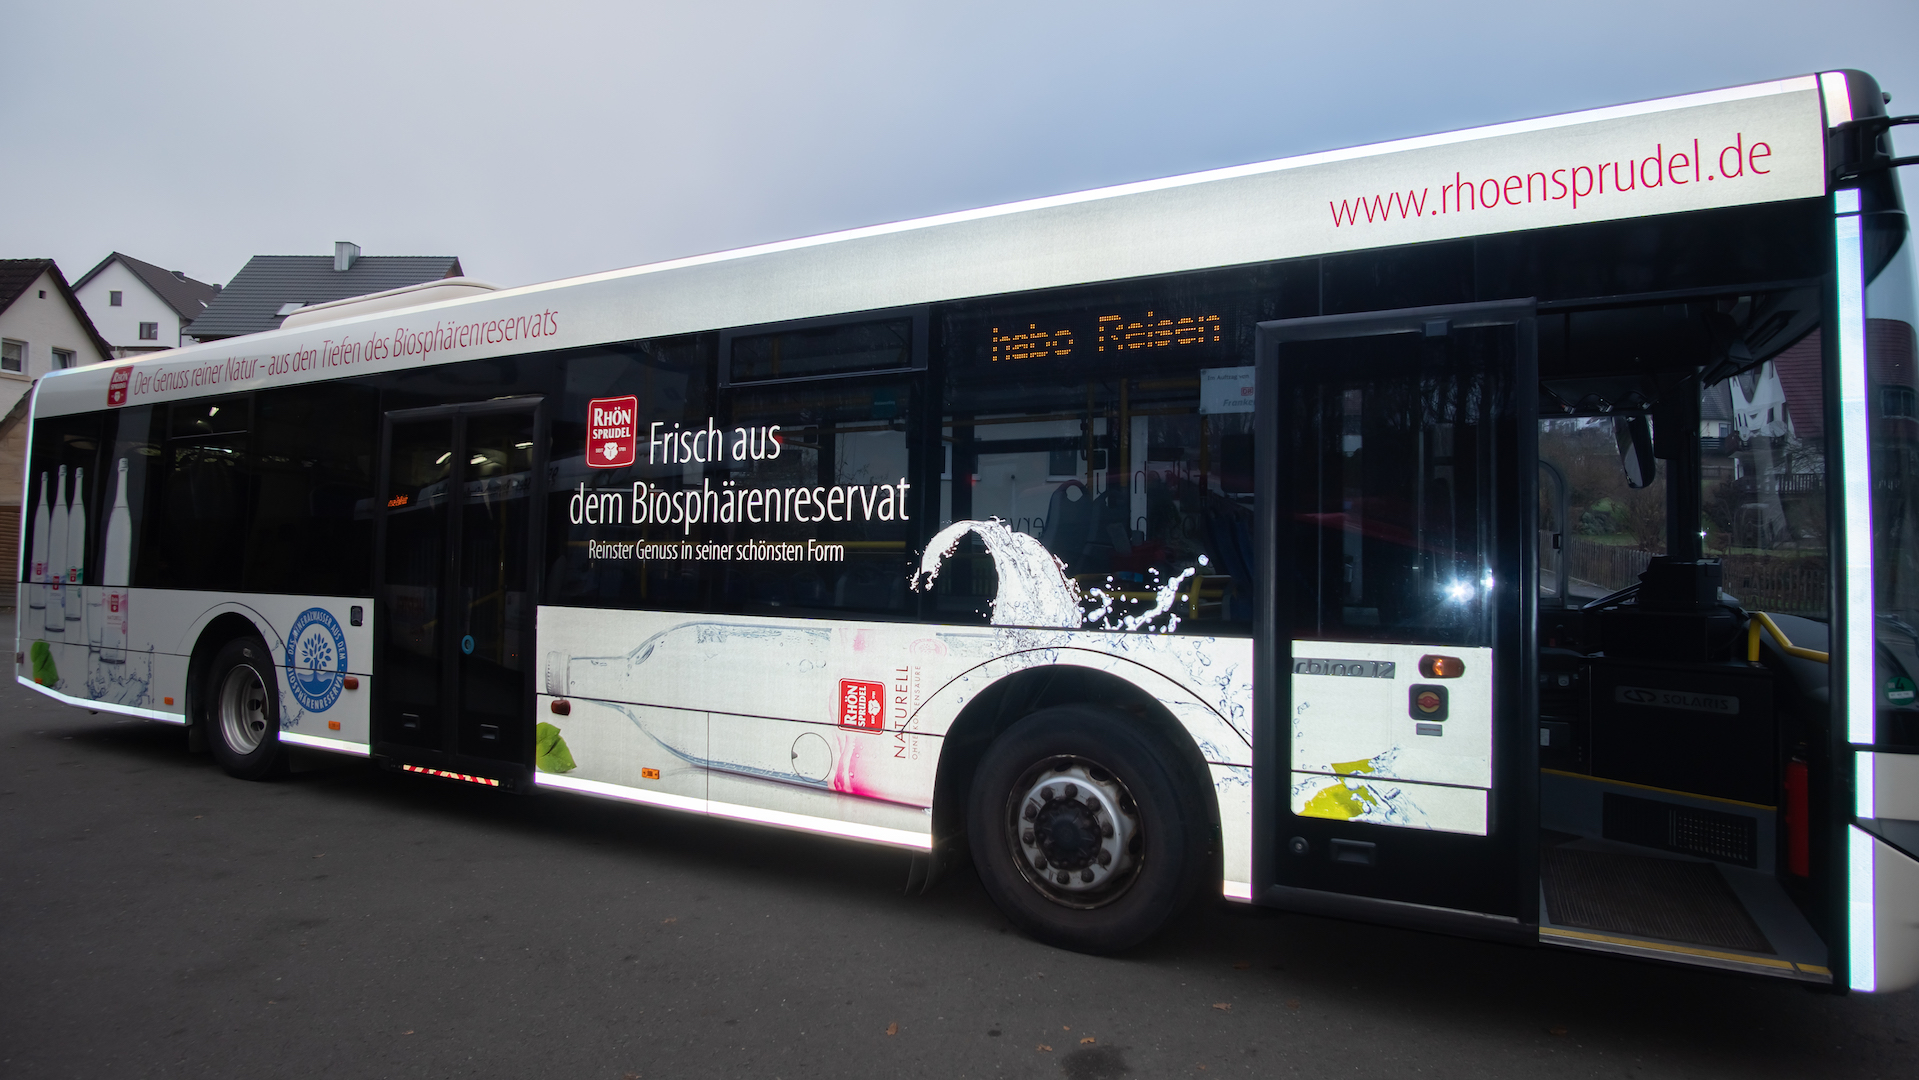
(1786, 583)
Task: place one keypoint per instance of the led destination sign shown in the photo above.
(1059, 338)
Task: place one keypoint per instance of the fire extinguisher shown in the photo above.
(1798, 824)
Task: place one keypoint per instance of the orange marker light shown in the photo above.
(649, 774)
(1441, 667)
(333, 725)
(169, 701)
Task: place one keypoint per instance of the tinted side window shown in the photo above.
(204, 508)
(311, 528)
(667, 381)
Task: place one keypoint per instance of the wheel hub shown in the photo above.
(242, 703)
(1075, 832)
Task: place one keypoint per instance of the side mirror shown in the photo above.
(1633, 434)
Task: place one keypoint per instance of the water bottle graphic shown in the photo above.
(77, 558)
(55, 621)
(37, 563)
(115, 566)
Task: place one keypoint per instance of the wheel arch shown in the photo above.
(1021, 693)
(219, 629)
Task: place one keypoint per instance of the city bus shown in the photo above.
(1503, 533)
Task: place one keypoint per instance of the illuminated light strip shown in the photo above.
(451, 775)
(103, 706)
(624, 794)
(1832, 87)
(875, 834)
(1863, 800)
(1237, 890)
(338, 746)
(1862, 943)
(1856, 478)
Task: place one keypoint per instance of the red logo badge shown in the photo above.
(117, 387)
(612, 432)
(862, 705)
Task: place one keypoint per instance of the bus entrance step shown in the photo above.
(1645, 896)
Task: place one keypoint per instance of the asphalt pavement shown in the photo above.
(158, 918)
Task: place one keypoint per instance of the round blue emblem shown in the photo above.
(466, 644)
(316, 659)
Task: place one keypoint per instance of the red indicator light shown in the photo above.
(561, 707)
(1441, 667)
(1429, 702)
(350, 683)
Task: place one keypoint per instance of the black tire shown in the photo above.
(242, 710)
(1045, 796)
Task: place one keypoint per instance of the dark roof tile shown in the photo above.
(251, 302)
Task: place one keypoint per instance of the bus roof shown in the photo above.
(1742, 145)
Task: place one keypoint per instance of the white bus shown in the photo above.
(1504, 532)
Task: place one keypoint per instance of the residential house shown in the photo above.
(139, 307)
(43, 327)
(271, 287)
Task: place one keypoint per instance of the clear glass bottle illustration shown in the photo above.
(37, 564)
(115, 567)
(76, 558)
(55, 621)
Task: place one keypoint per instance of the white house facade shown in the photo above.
(139, 307)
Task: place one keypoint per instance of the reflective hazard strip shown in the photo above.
(451, 775)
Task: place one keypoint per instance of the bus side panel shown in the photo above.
(137, 657)
(837, 720)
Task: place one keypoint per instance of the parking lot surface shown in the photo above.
(158, 918)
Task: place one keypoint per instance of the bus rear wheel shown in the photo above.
(1085, 835)
(243, 711)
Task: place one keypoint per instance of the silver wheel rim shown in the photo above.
(243, 710)
(1075, 832)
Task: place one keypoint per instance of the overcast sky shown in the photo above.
(542, 140)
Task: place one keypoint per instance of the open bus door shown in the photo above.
(457, 559)
(1395, 695)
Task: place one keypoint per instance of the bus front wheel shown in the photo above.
(243, 711)
(1084, 832)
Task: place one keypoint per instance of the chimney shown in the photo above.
(344, 253)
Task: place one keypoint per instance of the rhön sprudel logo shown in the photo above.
(316, 659)
(612, 432)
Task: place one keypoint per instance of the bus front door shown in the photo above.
(453, 614)
(1396, 494)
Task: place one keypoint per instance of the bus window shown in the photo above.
(1612, 529)
(844, 446)
(667, 382)
(312, 523)
(1390, 499)
(206, 481)
(1892, 368)
(1117, 431)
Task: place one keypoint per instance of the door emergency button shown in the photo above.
(1425, 701)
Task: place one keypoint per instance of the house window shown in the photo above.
(149, 331)
(113, 298)
(62, 359)
(13, 356)
(1898, 401)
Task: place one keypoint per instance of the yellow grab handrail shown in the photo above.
(1759, 619)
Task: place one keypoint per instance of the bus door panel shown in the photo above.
(1392, 687)
(453, 618)
(409, 622)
